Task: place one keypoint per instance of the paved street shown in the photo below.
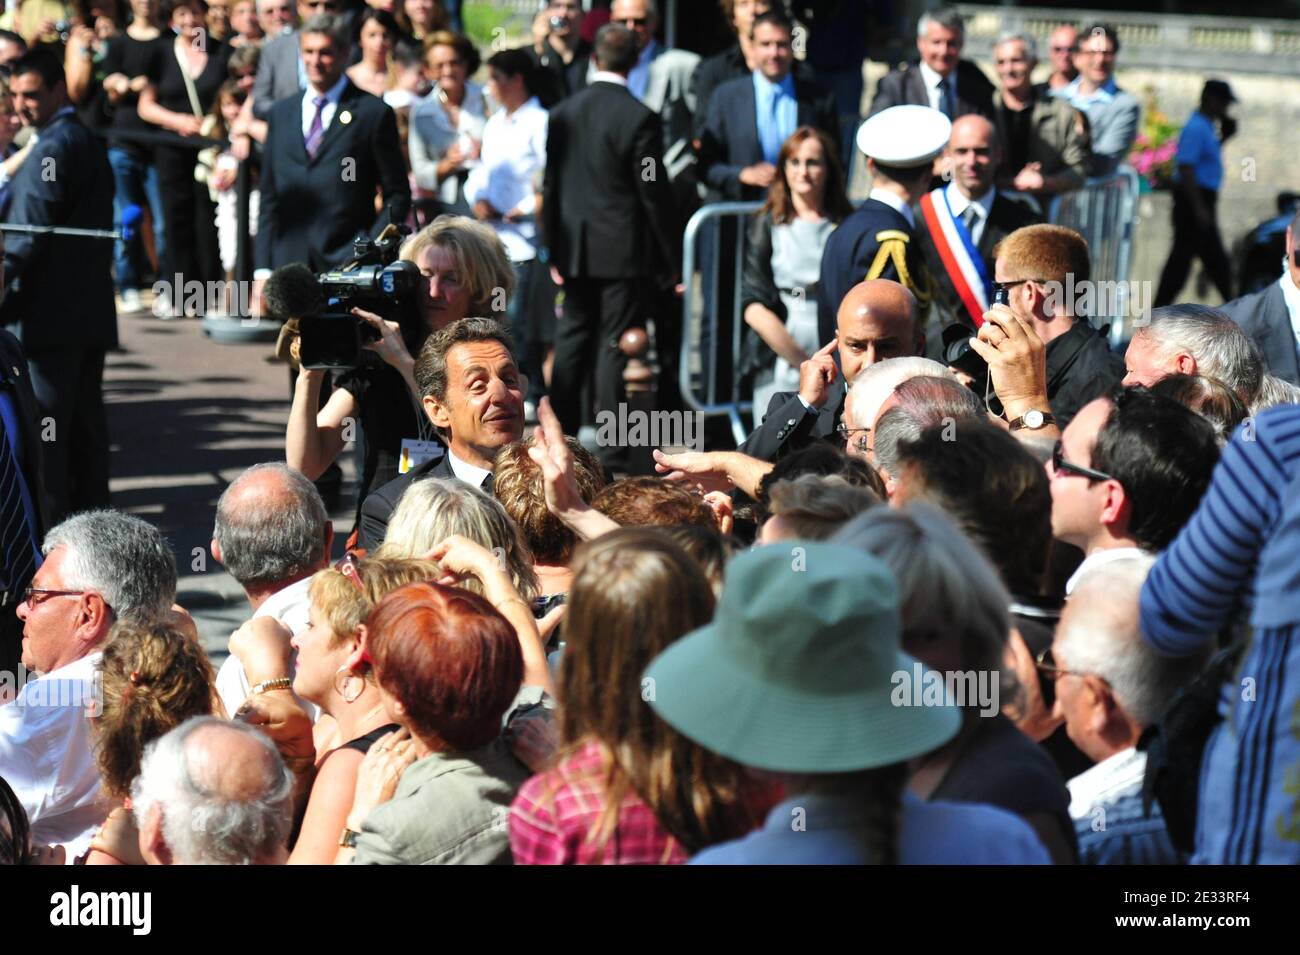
(185, 416)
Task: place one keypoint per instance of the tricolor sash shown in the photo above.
(961, 260)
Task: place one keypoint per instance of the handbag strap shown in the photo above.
(189, 82)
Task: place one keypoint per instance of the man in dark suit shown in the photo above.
(472, 394)
(611, 227)
(968, 213)
(279, 68)
(875, 241)
(22, 519)
(876, 321)
(1271, 315)
(325, 153)
(59, 292)
(941, 79)
(749, 117)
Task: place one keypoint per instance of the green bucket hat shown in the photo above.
(796, 672)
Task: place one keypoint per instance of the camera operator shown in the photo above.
(1045, 363)
(465, 273)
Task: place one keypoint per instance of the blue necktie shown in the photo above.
(772, 133)
(945, 98)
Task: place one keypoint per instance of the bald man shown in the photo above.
(968, 213)
(271, 534)
(211, 792)
(876, 320)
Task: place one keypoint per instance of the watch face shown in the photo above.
(1033, 419)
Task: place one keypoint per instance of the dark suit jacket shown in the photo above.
(59, 289)
(789, 427)
(607, 208)
(312, 208)
(13, 376)
(1263, 316)
(905, 86)
(1006, 216)
(729, 141)
(380, 503)
(848, 256)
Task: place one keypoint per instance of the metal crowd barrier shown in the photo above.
(702, 394)
(1104, 212)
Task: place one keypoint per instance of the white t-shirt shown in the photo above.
(289, 605)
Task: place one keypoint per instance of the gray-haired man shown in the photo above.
(271, 534)
(99, 567)
(213, 793)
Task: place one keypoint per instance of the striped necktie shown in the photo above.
(317, 131)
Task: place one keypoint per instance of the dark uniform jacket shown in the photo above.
(1080, 368)
(788, 426)
(1264, 317)
(852, 250)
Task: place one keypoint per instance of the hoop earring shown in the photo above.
(341, 686)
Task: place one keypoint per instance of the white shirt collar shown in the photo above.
(932, 80)
(1290, 298)
(1116, 776)
(958, 202)
(1097, 559)
(333, 94)
(469, 473)
(605, 76)
(895, 203)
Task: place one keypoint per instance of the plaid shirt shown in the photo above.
(556, 813)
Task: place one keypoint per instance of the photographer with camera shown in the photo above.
(559, 52)
(1045, 363)
(464, 272)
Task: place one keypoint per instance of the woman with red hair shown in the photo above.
(448, 666)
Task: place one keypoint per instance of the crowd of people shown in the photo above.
(976, 589)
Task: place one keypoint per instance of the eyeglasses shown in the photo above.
(31, 594)
(1060, 464)
(846, 434)
(1045, 663)
(1008, 286)
(1062, 49)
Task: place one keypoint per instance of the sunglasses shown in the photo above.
(633, 21)
(1059, 464)
(349, 565)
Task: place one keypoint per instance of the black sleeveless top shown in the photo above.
(362, 744)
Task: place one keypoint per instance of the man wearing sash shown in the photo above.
(959, 224)
(875, 241)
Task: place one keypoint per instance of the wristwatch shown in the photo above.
(279, 683)
(1033, 420)
(348, 838)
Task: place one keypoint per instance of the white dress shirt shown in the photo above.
(932, 80)
(289, 605)
(958, 203)
(1099, 558)
(1291, 299)
(514, 152)
(332, 97)
(469, 473)
(898, 205)
(1113, 778)
(47, 755)
(605, 76)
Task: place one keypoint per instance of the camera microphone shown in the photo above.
(293, 292)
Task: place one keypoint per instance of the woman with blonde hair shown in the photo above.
(466, 272)
(432, 510)
(153, 678)
(331, 672)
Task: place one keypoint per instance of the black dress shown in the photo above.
(188, 210)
